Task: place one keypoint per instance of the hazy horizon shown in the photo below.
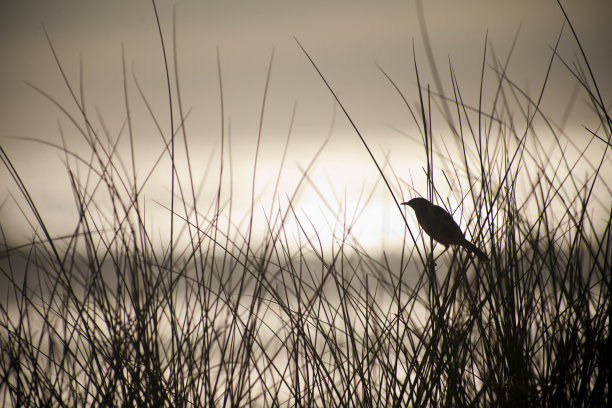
(346, 40)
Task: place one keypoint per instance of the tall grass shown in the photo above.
(218, 317)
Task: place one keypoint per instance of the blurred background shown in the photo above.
(103, 45)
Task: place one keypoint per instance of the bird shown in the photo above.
(441, 226)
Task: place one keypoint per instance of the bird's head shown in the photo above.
(418, 204)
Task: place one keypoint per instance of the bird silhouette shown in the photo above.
(441, 226)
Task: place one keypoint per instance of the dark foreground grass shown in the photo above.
(221, 317)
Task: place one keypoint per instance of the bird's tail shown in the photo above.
(473, 248)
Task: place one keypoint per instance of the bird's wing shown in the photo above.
(446, 220)
(441, 213)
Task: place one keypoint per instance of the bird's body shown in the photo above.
(441, 226)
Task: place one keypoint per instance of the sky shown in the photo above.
(97, 41)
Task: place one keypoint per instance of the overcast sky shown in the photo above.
(346, 38)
